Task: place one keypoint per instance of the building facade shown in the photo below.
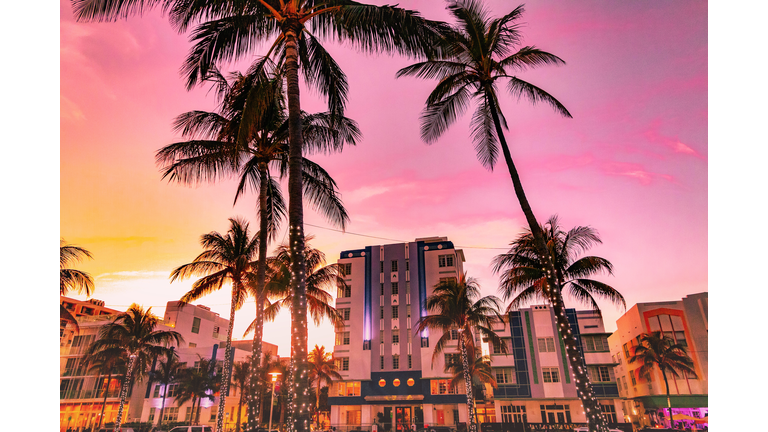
(391, 380)
(686, 321)
(82, 392)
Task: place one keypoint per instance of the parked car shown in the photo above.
(192, 429)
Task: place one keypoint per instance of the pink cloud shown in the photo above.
(633, 171)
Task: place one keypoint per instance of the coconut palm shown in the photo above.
(247, 135)
(72, 279)
(657, 350)
(322, 370)
(109, 363)
(241, 378)
(456, 305)
(227, 259)
(479, 369)
(524, 279)
(197, 383)
(166, 374)
(229, 30)
(132, 335)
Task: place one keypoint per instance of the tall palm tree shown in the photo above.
(228, 30)
(132, 334)
(226, 259)
(659, 350)
(72, 279)
(525, 277)
(166, 374)
(247, 135)
(198, 383)
(479, 369)
(322, 370)
(241, 379)
(457, 305)
(109, 363)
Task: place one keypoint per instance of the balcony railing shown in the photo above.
(88, 394)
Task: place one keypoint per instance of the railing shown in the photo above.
(88, 394)
(537, 427)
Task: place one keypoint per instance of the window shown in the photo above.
(342, 338)
(395, 289)
(394, 266)
(504, 376)
(382, 289)
(346, 269)
(156, 393)
(381, 310)
(381, 267)
(680, 339)
(626, 351)
(396, 361)
(216, 330)
(410, 361)
(441, 387)
(171, 390)
(151, 415)
(609, 411)
(381, 336)
(407, 265)
(452, 359)
(344, 363)
(447, 279)
(381, 362)
(445, 261)
(454, 335)
(188, 414)
(192, 345)
(170, 414)
(634, 380)
(600, 373)
(551, 375)
(594, 343)
(213, 414)
(546, 344)
(513, 414)
(408, 311)
(395, 336)
(345, 314)
(350, 388)
(395, 312)
(344, 290)
(196, 325)
(499, 346)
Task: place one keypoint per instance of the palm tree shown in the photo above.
(165, 375)
(72, 279)
(457, 305)
(247, 135)
(241, 378)
(226, 259)
(322, 370)
(658, 350)
(230, 29)
(197, 383)
(106, 363)
(524, 278)
(479, 369)
(132, 335)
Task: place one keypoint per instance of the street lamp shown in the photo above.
(271, 404)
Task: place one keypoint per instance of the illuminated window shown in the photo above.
(382, 382)
(410, 381)
(192, 345)
(504, 376)
(351, 388)
(451, 359)
(342, 338)
(396, 382)
(196, 325)
(439, 387)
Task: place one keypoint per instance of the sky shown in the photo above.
(632, 162)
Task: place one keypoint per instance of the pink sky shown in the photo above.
(632, 163)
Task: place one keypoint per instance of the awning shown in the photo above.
(677, 401)
(687, 417)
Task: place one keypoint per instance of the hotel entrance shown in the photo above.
(403, 418)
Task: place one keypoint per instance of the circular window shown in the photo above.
(382, 383)
(396, 382)
(411, 382)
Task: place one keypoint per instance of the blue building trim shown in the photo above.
(356, 253)
(523, 387)
(605, 390)
(422, 280)
(574, 322)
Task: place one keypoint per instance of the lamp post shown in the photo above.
(272, 403)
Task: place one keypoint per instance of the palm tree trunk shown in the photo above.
(261, 276)
(104, 403)
(468, 383)
(297, 390)
(240, 410)
(583, 387)
(124, 392)
(236, 287)
(317, 406)
(162, 405)
(669, 405)
(192, 413)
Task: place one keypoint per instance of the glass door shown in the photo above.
(403, 418)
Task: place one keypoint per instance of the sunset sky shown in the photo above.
(632, 163)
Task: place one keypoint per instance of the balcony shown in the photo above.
(88, 394)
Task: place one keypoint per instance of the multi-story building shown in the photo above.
(391, 380)
(82, 391)
(80, 308)
(686, 321)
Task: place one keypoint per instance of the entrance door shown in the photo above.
(403, 418)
